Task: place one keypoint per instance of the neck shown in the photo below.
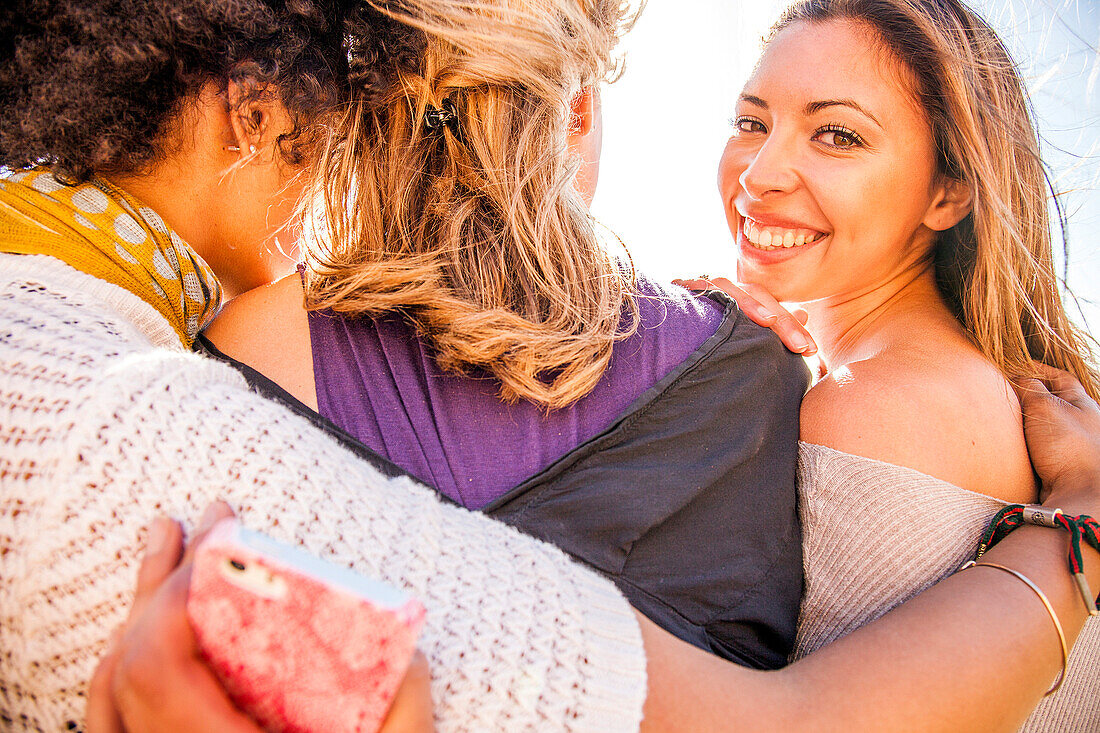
(186, 206)
(859, 325)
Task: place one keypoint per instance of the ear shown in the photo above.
(250, 118)
(585, 139)
(952, 200)
(582, 115)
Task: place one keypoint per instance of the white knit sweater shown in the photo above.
(105, 421)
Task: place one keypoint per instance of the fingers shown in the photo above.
(1063, 384)
(794, 335)
(101, 716)
(764, 310)
(163, 547)
(1028, 389)
(163, 550)
(213, 514)
(1062, 430)
(156, 638)
(790, 330)
(1044, 414)
(412, 710)
(160, 682)
(1054, 388)
(750, 305)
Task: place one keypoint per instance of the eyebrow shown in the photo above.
(815, 107)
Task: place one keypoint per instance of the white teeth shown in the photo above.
(776, 237)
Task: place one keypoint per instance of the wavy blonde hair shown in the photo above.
(996, 267)
(474, 232)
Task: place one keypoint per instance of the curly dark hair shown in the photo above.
(92, 86)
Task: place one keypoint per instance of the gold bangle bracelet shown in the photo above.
(1049, 608)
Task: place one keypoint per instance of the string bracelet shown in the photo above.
(1082, 529)
(1050, 610)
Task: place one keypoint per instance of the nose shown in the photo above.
(771, 170)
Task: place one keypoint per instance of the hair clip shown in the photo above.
(446, 115)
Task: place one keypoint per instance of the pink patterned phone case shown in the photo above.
(300, 644)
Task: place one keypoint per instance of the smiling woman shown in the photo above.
(897, 199)
(867, 192)
(884, 172)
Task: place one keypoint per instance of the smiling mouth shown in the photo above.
(771, 238)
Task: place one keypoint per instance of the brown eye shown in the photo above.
(843, 140)
(749, 125)
(839, 137)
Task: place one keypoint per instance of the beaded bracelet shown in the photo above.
(1046, 604)
(1082, 528)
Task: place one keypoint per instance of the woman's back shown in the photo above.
(378, 381)
(688, 508)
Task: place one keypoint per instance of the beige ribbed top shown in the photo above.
(854, 511)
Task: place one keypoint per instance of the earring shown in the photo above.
(236, 149)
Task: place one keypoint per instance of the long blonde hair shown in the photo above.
(473, 230)
(995, 268)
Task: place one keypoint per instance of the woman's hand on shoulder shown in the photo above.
(763, 310)
(1062, 428)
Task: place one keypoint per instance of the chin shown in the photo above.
(778, 287)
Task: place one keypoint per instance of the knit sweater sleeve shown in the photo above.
(518, 637)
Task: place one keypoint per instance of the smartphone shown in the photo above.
(300, 644)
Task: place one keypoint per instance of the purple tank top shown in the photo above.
(379, 382)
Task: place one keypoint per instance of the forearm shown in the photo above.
(975, 652)
(492, 594)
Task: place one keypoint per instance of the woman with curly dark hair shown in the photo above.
(94, 92)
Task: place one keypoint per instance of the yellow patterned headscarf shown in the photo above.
(101, 230)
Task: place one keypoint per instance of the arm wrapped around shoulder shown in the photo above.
(517, 635)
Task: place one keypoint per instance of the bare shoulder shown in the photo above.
(268, 329)
(951, 415)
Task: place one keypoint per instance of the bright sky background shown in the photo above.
(667, 120)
